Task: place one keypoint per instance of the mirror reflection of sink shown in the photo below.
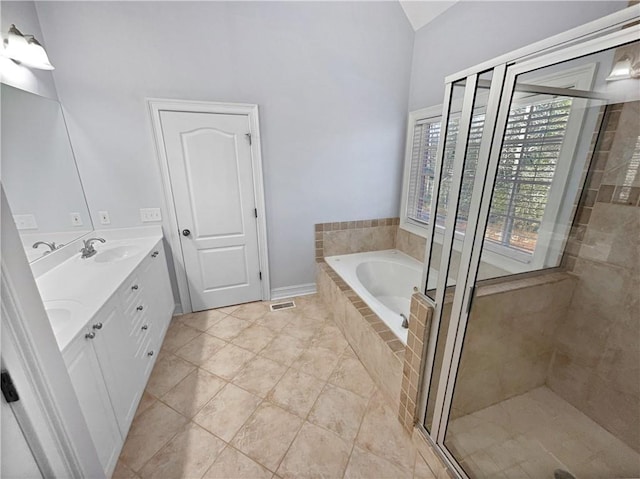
(117, 253)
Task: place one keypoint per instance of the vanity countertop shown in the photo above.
(76, 289)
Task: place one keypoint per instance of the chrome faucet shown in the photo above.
(88, 251)
(405, 321)
(52, 246)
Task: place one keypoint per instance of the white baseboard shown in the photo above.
(291, 291)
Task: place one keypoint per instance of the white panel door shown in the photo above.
(210, 166)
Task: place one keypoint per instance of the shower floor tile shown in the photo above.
(531, 435)
(273, 394)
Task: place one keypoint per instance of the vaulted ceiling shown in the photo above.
(421, 12)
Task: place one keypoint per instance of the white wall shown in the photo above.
(25, 18)
(470, 33)
(331, 80)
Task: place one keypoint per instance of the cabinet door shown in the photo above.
(116, 350)
(159, 293)
(93, 396)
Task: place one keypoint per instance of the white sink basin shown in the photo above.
(61, 312)
(118, 253)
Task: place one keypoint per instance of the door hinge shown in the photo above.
(248, 135)
(260, 275)
(255, 212)
(9, 391)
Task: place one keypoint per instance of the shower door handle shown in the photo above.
(472, 292)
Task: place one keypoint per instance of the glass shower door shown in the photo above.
(532, 361)
(462, 167)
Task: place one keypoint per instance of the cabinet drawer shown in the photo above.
(144, 330)
(147, 355)
(131, 290)
(137, 315)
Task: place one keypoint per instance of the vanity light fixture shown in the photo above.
(25, 50)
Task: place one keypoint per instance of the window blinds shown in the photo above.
(530, 153)
(531, 149)
(426, 134)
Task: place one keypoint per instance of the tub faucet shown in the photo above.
(88, 251)
(405, 321)
(52, 246)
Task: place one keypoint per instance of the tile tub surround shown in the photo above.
(420, 317)
(301, 406)
(355, 236)
(381, 352)
(411, 244)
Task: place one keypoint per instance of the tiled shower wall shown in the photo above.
(596, 365)
(508, 344)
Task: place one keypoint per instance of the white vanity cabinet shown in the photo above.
(91, 390)
(110, 361)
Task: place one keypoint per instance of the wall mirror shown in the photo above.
(39, 173)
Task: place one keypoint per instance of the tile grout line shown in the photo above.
(353, 445)
(341, 355)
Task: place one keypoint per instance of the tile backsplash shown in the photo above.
(355, 236)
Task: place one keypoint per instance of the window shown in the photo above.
(426, 134)
(425, 137)
(531, 149)
(536, 138)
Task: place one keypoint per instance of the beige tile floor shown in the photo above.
(243, 392)
(531, 435)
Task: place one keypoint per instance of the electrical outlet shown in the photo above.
(104, 217)
(25, 222)
(76, 219)
(148, 215)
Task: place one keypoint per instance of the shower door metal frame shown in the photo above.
(573, 44)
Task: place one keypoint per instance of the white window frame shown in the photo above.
(550, 244)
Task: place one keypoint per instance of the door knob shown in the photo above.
(97, 326)
(186, 232)
(90, 335)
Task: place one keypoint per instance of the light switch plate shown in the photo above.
(76, 219)
(104, 217)
(25, 222)
(148, 215)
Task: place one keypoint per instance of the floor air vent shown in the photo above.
(281, 306)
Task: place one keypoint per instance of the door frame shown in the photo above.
(170, 220)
